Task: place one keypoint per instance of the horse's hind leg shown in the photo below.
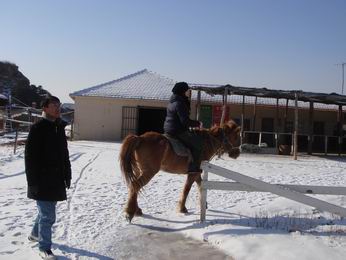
(191, 178)
(131, 208)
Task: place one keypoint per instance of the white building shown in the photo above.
(137, 103)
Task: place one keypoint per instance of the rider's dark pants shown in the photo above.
(195, 143)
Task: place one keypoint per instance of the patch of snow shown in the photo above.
(244, 225)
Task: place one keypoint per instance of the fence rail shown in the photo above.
(246, 183)
(320, 143)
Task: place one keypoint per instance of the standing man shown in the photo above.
(48, 172)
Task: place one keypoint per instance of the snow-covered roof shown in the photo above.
(149, 85)
(143, 84)
(68, 106)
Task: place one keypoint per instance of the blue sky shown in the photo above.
(70, 45)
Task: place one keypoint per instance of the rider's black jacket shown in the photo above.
(177, 118)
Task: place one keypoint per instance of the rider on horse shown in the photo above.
(178, 122)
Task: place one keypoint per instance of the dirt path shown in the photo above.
(143, 244)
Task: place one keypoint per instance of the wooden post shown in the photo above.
(72, 130)
(284, 128)
(285, 116)
(224, 108)
(340, 121)
(198, 105)
(254, 116)
(277, 125)
(311, 127)
(242, 121)
(15, 142)
(296, 127)
(326, 144)
(30, 119)
(203, 198)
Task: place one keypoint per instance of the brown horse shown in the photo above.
(141, 157)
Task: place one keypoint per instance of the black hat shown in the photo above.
(180, 88)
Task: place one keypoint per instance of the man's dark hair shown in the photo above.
(180, 88)
(49, 99)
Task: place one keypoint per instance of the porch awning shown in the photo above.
(330, 99)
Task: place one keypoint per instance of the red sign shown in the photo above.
(217, 114)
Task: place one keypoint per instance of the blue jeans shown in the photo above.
(43, 224)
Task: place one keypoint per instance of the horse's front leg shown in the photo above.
(191, 178)
(199, 184)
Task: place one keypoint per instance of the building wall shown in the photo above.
(101, 118)
(328, 117)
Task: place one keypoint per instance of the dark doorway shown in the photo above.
(318, 139)
(151, 119)
(318, 128)
(268, 126)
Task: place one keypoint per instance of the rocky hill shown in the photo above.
(22, 91)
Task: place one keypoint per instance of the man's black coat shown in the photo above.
(47, 164)
(177, 118)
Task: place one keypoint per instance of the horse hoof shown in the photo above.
(139, 212)
(183, 210)
(129, 217)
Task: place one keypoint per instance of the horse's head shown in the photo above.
(229, 134)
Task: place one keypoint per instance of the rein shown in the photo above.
(225, 144)
(225, 141)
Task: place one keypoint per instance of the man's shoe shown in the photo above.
(47, 255)
(32, 238)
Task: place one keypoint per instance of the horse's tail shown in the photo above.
(128, 163)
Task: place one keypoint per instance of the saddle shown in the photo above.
(178, 147)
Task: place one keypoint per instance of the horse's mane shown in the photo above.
(210, 137)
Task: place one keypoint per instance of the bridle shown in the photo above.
(226, 145)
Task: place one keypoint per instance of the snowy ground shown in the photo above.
(9, 138)
(90, 225)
